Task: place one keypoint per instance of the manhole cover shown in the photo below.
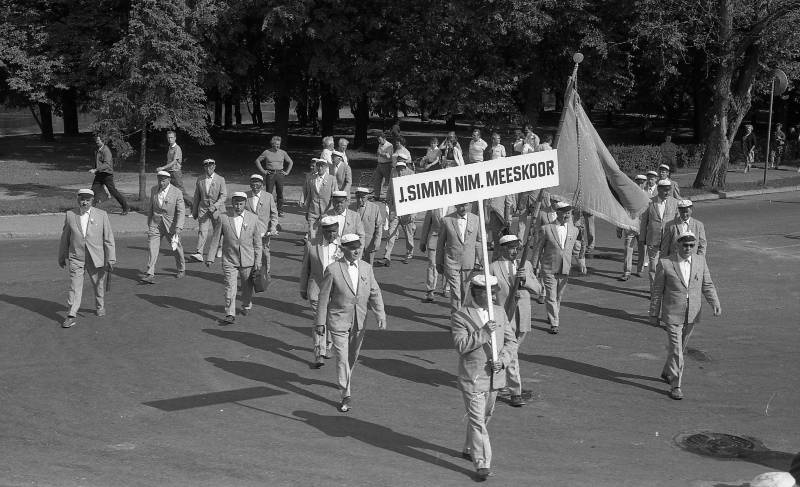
(719, 445)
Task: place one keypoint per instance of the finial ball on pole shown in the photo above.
(577, 58)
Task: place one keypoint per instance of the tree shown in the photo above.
(154, 83)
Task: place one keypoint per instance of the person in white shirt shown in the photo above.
(433, 156)
(547, 143)
(530, 144)
(519, 142)
(476, 147)
(342, 147)
(452, 155)
(497, 150)
(383, 171)
(400, 151)
(327, 150)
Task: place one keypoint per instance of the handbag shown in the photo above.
(260, 280)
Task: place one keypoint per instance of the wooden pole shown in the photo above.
(486, 263)
(511, 301)
(769, 129)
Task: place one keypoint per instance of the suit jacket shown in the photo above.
(502, 206)
(522, 317)
(372, 221)
(211, 200)
(172, 213)
(431, 225)
(244, 251)
(340, 305)
(453, 253)
(396, 172)
(676, 302)
(652, 226)
(266, 211)
(343, 175)
(669, 240)
(99, 240)
(554, 258)
(473, 344)
(352, 224)
(318, 202)
(311, 271)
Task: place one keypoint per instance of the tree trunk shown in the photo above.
(450, 122)
(532, 104)
(237, 108)
(282, 105)
(330, 110)
(46, 121)
(69, 105)
(258, 117)
(361, 113)
(217, 110)
(143, 164)
(228, 111)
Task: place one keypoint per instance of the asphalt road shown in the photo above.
(158, 394)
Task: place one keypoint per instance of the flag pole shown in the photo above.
(486, 263)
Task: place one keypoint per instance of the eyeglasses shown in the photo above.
(688, 246)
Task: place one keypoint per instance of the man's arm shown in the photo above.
(198, 195)
(180, 212)
(104, 161)
(223, 194)
(272, 226)
(289, 163)
(324, 298)
(376, 300)
(665, 246)
(63, 246)
(259, 160)
(440, 243)
(657, 293)
(258, 247)
(348, 179)
(701, 239)
(108, 242)
(172, 163)
(710, 291)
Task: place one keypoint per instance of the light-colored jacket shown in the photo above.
(352, 224)
(372, 221)
(172, 213)
(311, 271)
(99, 240)
(453, 253)
(243, 251)
(652, 226)
(522, 317)
(554, 258)
(341, 305)
(318, 202)
(265, 210)
(343, 175)
(676, 302)
(431, 225)
(473, 343)
(212, 200)
(669, 241)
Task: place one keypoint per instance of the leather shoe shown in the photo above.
(148, 279)
(69, 322)
(675, 393)
(428, 297)
(180, 274)
(317, 365)
(517, 401)
(466, 455)
(625, 277)
(101, 312)
(345, 405)
(483, 474)
(229, 319)
(553, 330)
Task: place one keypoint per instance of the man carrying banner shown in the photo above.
(555, 244)
(479, 376)
(456, 254)
(506, 269)
(348, 289)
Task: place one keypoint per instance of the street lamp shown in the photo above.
(782, 81)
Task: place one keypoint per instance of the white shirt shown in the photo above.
(686, 266)
(385, 152)
(238, 220)
(561, 230)
(318, 182)
(208, 181)
(326, 155)
(352, 269)
(518, 145)
(162, 195)
(84, 221)
(476, 148)
(498, 151)
(329, 254)
(661, 205)
(684, 225)
(462, 226)
(340, 220)
(254, 201)
(484, 314)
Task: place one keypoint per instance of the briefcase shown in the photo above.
(260, 280)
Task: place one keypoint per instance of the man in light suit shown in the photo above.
(664, 173)
(662, 208)
(680, 283)
(164, 220)
(241, 253)
(340, 170)
(317, 192)
(348, 289)
(506, 268)
(262, 204)
(397, 223)
(318, 255)
(428, 240)
(479, 376)
(87, 244)
(372, 220)
(208, 204)
(555, 245)
(457, 253)
(681, 224)
(349, 221)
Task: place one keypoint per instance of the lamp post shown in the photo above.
(779, 83)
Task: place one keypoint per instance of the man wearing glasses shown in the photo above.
(681, 281)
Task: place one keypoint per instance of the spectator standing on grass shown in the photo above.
(274, 163)
(748, 147)
(776, 154)
(519, 142)
(476, 147)
(173, 165)
(452, 155)
(383, 171)
(668, 151)
(497, 150)
(400, 151)
(103, 171)
(433, 157)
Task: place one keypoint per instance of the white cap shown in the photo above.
(362, 189)
(339, 194)
(208, 162)
(664, 166)
(337, 154)
(84, 191)
(687, 235)
(562, 206)
(664, 182)
(163, 174)
(317, 160)
(652, 173)
(773, 479)
(400, 162)
(507, 239)
(639, 177)
(239, 194)
(480, 280)
(257, 176)
(684, 204)
(350, 238)
(328, 220)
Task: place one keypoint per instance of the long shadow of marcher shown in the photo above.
(128, 273)
(282, 379)
(411, 315)
(215, 277)
(267, 344)
(47, 309)
(183, 304)
(285, 278)
(397, 339)
(644, 293)
(382, 437)
(408, 371)
(285, 255)
(593, 371)
(610, 312)
(293, 309)
(406, 292)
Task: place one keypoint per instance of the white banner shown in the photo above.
(473, 182)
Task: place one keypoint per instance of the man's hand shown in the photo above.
(304, 295)
(495, 366)
(521, 273)
(159, 168)
(491, 325)
(717, 310)
(257, 268)
(109, 266)
(654, 320)
(178, 232)
(320, 330)
(423, 247)
(381, 324)
(284, 172)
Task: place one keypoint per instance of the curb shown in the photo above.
(751, 192)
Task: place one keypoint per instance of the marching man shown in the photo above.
(165, 220)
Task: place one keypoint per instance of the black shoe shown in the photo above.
(517, 401)
(281, 214)
(345, 405)
(428, 297)
(483, 474)
(317, 365)
(229, 320)
(625, 277)
(466, 455)
(675, 393)
(553, 330)
(69, 322)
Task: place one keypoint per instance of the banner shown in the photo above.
(473, 182)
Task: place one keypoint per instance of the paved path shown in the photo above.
(157, 393)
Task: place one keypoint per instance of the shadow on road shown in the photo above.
(43, 307)
(593, 371)
(292, 309)
(196, 307)
(610, 312)
(397, 339)
(408, 371)
(213, 398)
(268, 344)
(644, 294)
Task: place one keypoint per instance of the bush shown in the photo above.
(638, 159)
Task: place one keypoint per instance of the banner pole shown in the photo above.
(486, 263)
